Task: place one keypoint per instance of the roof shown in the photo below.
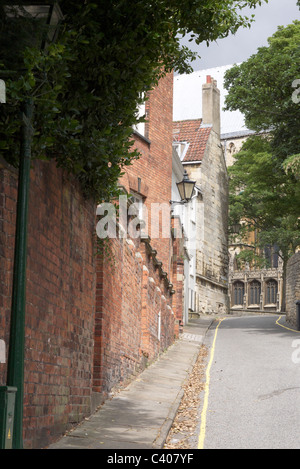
(192, 132)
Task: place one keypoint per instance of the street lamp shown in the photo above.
(50, 15)
(185, 189)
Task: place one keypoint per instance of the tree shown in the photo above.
(267, 199)
(262, 88)
(264, 186)
(88, 85)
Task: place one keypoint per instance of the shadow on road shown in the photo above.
(258, 323)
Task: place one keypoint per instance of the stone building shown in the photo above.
(197, 142)
(293, 288)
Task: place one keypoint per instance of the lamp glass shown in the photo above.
(180, 186)
(186, 187)
(189, 189)
(42, 21)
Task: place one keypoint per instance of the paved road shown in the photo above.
(254, 385)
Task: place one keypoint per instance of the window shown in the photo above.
(141, 112)
(255, 289)
(159, 326)
(271, 256)
(271, 292)
(137, 216)
(238, 293)
(181, 148)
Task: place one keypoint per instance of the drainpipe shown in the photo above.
(15, 369)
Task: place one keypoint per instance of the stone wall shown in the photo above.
(135, 320)
(292, 287)
(211, 237)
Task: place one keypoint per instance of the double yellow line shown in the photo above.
(277, 322)
(205, 402)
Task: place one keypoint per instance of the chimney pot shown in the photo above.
(211, 104)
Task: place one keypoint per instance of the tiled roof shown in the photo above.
(190, 131)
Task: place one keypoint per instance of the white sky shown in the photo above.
(216, 58)
(245, 42)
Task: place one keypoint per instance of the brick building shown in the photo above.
(139, 297)
(92, 323)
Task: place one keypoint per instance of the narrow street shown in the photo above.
(252, 394)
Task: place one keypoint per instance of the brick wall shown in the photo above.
(154, 168)
(135, 319)
(292, 287)
(60, 299)
(134, 316)
(91, 324)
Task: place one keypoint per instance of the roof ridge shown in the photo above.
(189, 120)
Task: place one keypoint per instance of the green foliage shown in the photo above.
(265, 196)
(264, 180)
(262, 88)
(292, 164)
(88, 85)
(249, 257)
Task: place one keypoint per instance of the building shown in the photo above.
(250, 288)
(139, 297)
(197, 142)
(93, 321)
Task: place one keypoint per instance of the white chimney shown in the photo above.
(211, 114)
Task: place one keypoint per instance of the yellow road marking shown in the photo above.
(277, 322)
(207, 382)
(205, 403)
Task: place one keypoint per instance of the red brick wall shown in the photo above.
(135, 296)
(86, 330)
(131, 294)
(60, 300)
(154, 168)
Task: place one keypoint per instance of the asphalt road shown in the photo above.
(253, 385)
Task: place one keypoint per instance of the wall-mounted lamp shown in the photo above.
(185, 189)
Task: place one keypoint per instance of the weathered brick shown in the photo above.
(55, 272)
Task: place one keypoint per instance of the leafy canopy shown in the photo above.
(88, 85)
(265, 197)
(262, 89)
(264, 185)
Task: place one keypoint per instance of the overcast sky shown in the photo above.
(240, 47)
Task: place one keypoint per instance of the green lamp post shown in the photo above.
(49, 14)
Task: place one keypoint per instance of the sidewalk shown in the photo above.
(141, 415)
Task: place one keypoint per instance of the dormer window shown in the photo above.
(181, 148)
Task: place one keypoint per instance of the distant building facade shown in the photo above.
(250, 288)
